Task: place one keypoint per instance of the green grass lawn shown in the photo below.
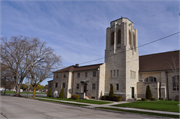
(81, 100)
(139, 112)
(153, 105)
(13, 92)
(62, 102)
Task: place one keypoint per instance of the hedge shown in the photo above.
(75, 97)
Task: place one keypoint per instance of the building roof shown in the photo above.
(79, 68)
(147, 63)
(159, 61)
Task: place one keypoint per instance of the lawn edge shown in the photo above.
(76, 101)
(136, 112)
(65, 103)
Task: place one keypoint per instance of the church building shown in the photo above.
(128, 72)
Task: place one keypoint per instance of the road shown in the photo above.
(23, 108)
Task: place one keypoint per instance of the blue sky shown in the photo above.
(77, 30)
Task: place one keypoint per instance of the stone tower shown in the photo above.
(122, 58)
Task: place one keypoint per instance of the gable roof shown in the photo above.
(79, 68)
(159, 61)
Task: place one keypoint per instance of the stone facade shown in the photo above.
(122, 68)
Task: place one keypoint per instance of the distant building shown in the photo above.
(128, 72)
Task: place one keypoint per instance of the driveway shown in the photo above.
(23, 108)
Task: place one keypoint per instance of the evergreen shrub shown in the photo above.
(111, 93)
(75, 97)
(161, 99)
(49, 93)
(61, 95)
(148, 93)
(117, 98)
(153, 99)
(143, 99)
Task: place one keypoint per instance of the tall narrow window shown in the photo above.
(77, 87)
(56, 76)
(175, 83)
(117, 86)
(78, 75)
(93, 86)
(119, 37)
(134, 43)
(64, 75)
(63, 85)
(114, 73)
(86, 74)
(129, 38)
(56, 85)
(111, 73)
(112, 38)
(94, 74)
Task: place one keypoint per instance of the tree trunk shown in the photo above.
(5, 91)
(18, 90)
(34, 92)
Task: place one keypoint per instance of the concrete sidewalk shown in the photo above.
(114, 103)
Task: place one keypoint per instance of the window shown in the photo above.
(114, 73)
(150, 79)
(117, 86)
(129, 38)
(77, 87)
(110, 86)
(64, 75)
(56, 85)
(94, 74)
(117, 72)
(56, 76)
(86, 74)
(175, 80)
(49, 85)
(63, 85)
(111, 73)
(78, 75)
(134, 43)
(112, 38)
(93, 86)
(119, 37)
(133, 74)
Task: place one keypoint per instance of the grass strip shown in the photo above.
(171, 106)
(81, 100)
(13, 92)
(62, 102)
(140, 112)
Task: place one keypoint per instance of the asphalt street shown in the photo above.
(23, 108)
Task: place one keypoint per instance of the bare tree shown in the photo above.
(42, 69)
(7, 79)
(19, 52)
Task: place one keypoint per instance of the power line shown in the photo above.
(135, 47)
(157, 13)
(143, 44)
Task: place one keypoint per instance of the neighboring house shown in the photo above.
(128, 72)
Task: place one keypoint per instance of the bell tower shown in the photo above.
(122, 58)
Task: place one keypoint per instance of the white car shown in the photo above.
(2, 89)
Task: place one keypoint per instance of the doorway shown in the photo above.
(85, 89)
(132, 88)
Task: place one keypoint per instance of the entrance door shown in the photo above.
(85, 88)
(132, 92)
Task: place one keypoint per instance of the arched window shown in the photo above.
(134, 43)
(175, 80)
(119, 37)
(112, 38)
(129, 38)
(150, 79)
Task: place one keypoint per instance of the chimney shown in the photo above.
(76, 65)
